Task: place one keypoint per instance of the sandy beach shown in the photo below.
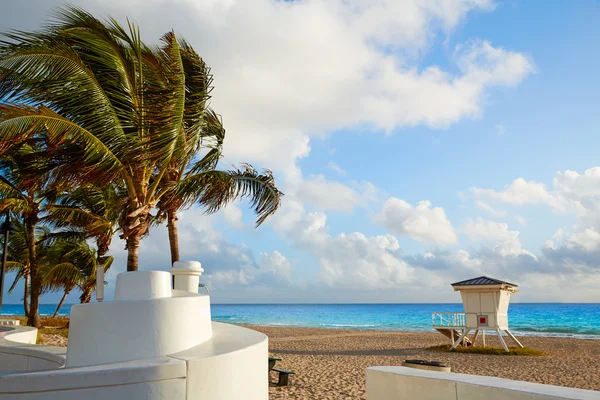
(330, 363)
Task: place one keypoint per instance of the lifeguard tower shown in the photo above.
(485, 301)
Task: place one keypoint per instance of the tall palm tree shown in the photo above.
(25, 187)
(131, 125)
(191, 179)
(18, 261)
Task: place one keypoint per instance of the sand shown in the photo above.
(330, 363)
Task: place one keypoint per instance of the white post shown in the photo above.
(513, 338)
(460, 339)
(483, 336)
(187, 275)
(100, 283)
(475, 337)
(502, 340)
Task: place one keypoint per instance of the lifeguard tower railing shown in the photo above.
(451, 324)
(448, 320)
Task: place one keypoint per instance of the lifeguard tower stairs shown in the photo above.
(485, 301)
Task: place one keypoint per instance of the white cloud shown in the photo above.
(491, 210)
(336, 168)
(519, 192)
(421, 222)
(233, 216)
(332, 195)
(332, 68)
(571, 192)
(495, 235)
(348, 259)
(521, 220)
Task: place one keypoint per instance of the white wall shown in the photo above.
(401, 383)
(231, 365)
(137, 329)
(18, 334)
(161, 378)
(28, 359)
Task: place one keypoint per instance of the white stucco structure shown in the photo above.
(401, 383)
(151, 342)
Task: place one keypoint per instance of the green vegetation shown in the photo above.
(513, 351)
(98, 130)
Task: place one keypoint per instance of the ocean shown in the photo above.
(541, 319)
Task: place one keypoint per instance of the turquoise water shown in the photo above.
(545, 319)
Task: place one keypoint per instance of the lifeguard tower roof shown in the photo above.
(483, 281)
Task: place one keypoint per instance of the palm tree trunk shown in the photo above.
(86, 295)
(61, 303)
(173, 235)
(33, 318)
(133, 249)
(26, 294)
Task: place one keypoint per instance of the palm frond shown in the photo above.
(61, 275)
(60, 129)
(215, 189)
(18, 277)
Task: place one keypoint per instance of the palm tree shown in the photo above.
(72, 264)
(25, 186)
(190, 179)
(93, 212)
(203, 184)
(131, 128)
(18, 256)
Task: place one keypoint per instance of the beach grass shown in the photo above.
(52, 326)
(512, 351)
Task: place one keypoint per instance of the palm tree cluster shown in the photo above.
(101, 134)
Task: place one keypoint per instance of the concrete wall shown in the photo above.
(231, 365)
(28, 359)
(134, 329)
(161, 378)
(401, 383)
(18, 334)
(150, 343)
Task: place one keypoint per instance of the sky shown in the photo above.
(418, 143)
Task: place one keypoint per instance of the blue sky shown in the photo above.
(365, 112)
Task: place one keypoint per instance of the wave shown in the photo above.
(225, 317)
(558, 332)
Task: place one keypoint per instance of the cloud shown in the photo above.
(318, 66)
(336, 168)
(491, 210)
(521, 220)
(233, 216)
(331, 195)
(494, 235)
(421, 222)
(571, 192)
(348, 259)
(519, 192)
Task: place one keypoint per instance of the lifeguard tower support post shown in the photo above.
(485, 301)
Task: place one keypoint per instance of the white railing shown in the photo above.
(449, 319)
